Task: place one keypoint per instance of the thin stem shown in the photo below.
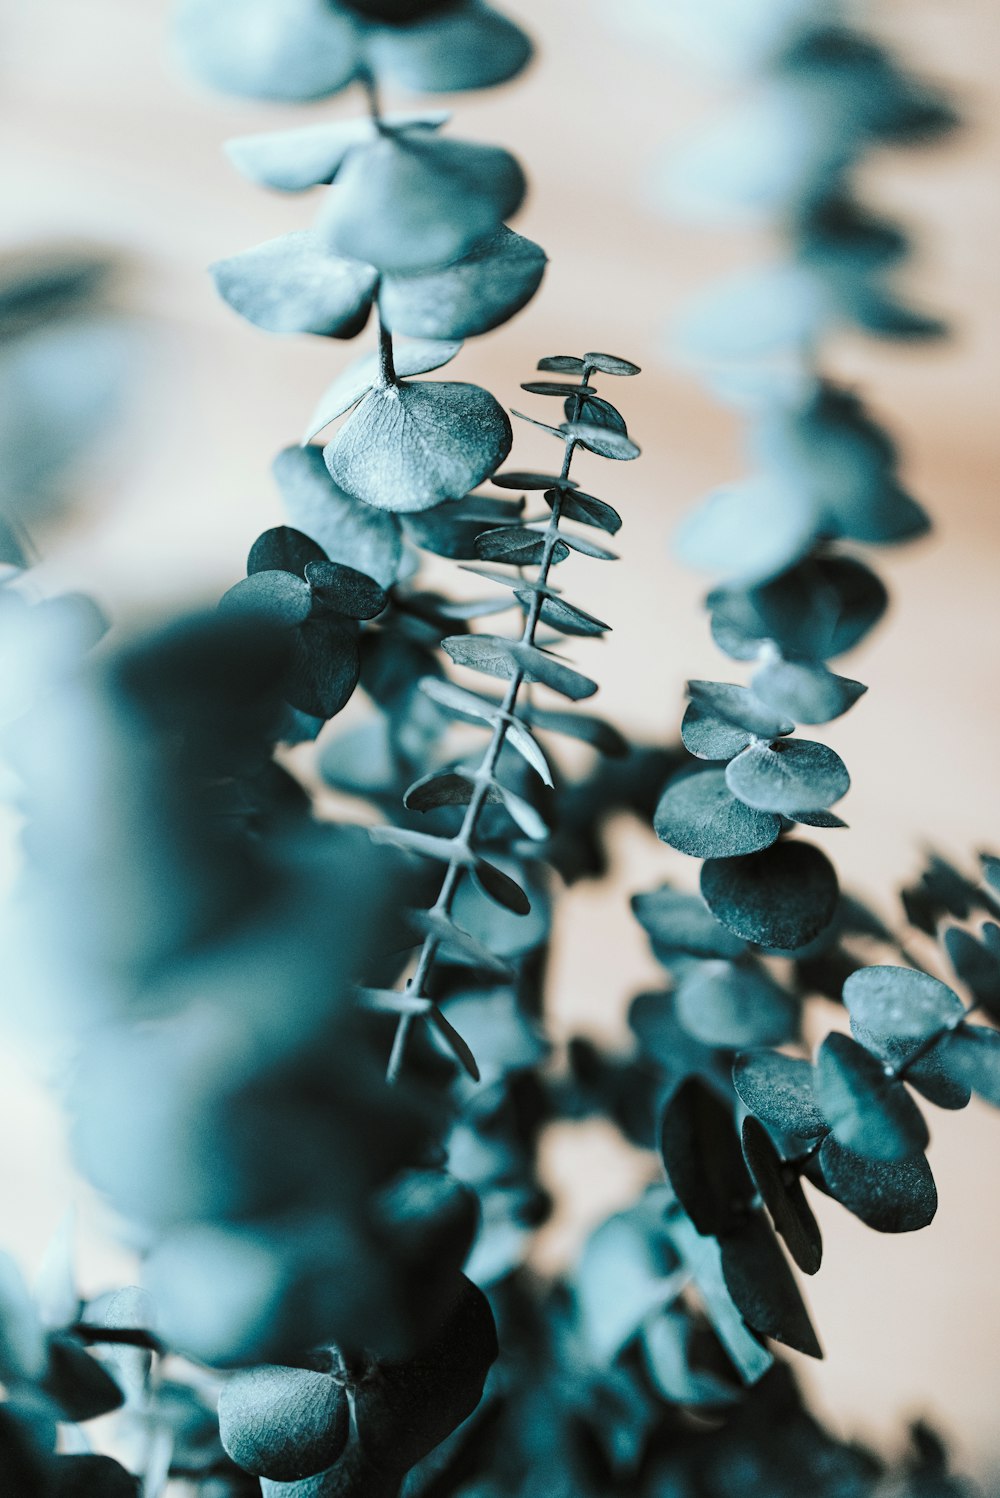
(369, 83)
(487, 768)
(386, 366)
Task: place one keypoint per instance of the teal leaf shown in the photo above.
(294, 285)
(972, 1054)
(778, 1090)
(731, 1005)
(789, 776)
(294, 160)
(707, 736)
(268, 49)
(343, 590)
(362, 375)
(593, 410)
(602, 736)
(585, 510)
(677, 922)
(748, 532)
(588, 548)
(283, 549)
(610, 364)
(463, 46)
(827, 819)
(326, 665)
(347, 530)
(411, 446)
(781, 1192)
(624, 1274)
(781, 898)
(90, 1476)
(518, 479)
(703, 1160)
(817, 610)
(505, 658)
(81, 1387)
(283, 1423)
(703, 1256)
(740, 707)
(891, 1196)
(500, 887)
(470, 705)
(602, 440)
(279, 597)
(699, 815)
(495, 279)
(868, 1111)
(977, 965)
(899, 1002)
(455, 1044)
(566, 617)
(764, 1289)
(414, 201)
(807, 693)
(458, 945)
(440, 849)
(929, 1075)
(517, 546)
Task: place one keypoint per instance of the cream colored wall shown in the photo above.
(103, 144)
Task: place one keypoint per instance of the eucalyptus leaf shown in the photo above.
(506, 658)
(778, 1090)
(891, 1196)
(789, 776)
(78, 1383)
(521, 479)
(279, 597)
(600, 439)
(730, 1005)
(624, 1274)
(468, 704)
(462, 46)
(410, 202)
(268, 49)
(588, 548)
(283, 549)
(972, 1054)
(565, 617)
(326, 666)
(699, 815)
(458, 944)
(411, 446)
(518, 547)
(707, 736)
(748, 532)
(977, 965)
(294, 285)
(445, 850)
(781, 898)
(674, 921)
(703, 1255)
(588, 729)
(703, 1159)
(347, 530)
(610, 364)
(455, 1044)
(781, 1192)
(500, 887)
(868, 1111)
(283, 1423)
(762, 1285)
(491, 282)
(807, 693)
(363, 375)
(900, 1002)
(584, 509)
(294, 160)
(739, 707)
(344, 590)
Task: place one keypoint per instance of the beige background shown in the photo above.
(104, 144)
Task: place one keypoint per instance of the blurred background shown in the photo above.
(110, 149)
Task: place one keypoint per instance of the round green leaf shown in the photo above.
(294, 285)
(411, 446)
(414, 201)
(347, 530)
(343, 590)
(788, 776)
(730, 1005)
(294, 160)
(479, 292)
(283, 549)
(363, 374)
(326, 665)
(778, 1090)
(809, 694)
(463, 46)
(868, 1111)
(781, 898)
(279, 597)
(761, 1283)
(747, 532)
(283, 1423)
(900, 1002)
(782, 1194)
(891, 1196)
(699, 815)
(284, 50)
(739, 707)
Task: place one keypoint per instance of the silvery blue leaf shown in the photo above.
(601, 439)
(868, 1112)
(344, 590)
(285, 50)
(294, 160)
(731, 1005)
(781, 898)
(807, 693)
(891, 1196)
(699, 815)
(280, 597)
(326, 666)
(362, 375)
(294, 285)
(410, 446)
(411, 202)
(283, 1423)
(778, 1089)
(487, 286)
(748, 532)
(348, 531)
(623, 1276)
(703, 1257)
(674, 921)
(740, 707)
(900, 1002)
(972, 1054)
(505, 658)
(468, 45)
(788, 776)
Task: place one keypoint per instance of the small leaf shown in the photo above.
(624, 1273)
(782, 1194)
(416, 200)
(517, 547)
(345, 590)
(394, 1001)
(977, 966)
(347, 530)
(678, 922)
(294, 160)
(294, 285)
(900, 1002)
(458, 943)
(594, 410)
(561, 364)
(703, 1159)
(827, 819)
(445, 850)
(566, 617)
(709, 737)
(699, 815)
(506, 658)
(703, 1255)
(81, 1387)
(456, 1045)
(596, 732)
(601, 440)
(794, 775)
(809, 694)
(585, 510)
(781, 898)
(519, 479)
(588, 548)
(725, 1004)
(500, 887)
(557, 388)
(411, 446)
(456, 699)
(748, 532)
(762, 1285)
(353, 383)
(472, 295)
(283, 1423)
(279, 597)
(868, 1111)
(610, 364)
(326, 666)
(891, 1196)
(283, 549)
(972, 1054)
(452, 47)
(740, 708)
(779, 1091)
(248, 47)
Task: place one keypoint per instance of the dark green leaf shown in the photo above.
(456, 1045)
(90, 1476)
(344, 590)
(520, 479)
(868, 1111)
(610, 364)
(505, 658)
(594, 410)
(326, 665)
(81, 1387)
(782, 1194)
(279, 597)
(585, 509)
(699, 815)
(977, 966)
(283, 1423)
(779, 1091)
(602, 440)
(726, 1004)
(414, 201)
(763, 1286)
(413, 445)
(781, 898)
(517, 547)
(483, 289)
(703, 1159)
(566, 617)
(561, 364)
(283, 549)
(789, 776)
(294, 285)
(891, 1196)
(900, 1002)
(556, 388)
(501, 887)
